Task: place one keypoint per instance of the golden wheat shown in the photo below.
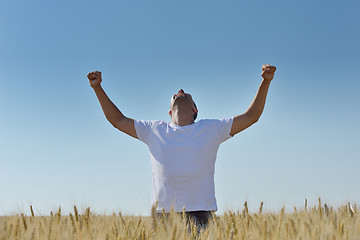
(318, 222)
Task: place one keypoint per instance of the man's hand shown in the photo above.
(268, 72)
(94, 78)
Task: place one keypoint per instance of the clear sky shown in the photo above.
(57, 149)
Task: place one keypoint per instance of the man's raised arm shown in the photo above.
(112, 113)
(256, 108)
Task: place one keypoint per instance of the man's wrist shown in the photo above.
(96, 87)
(267, 81)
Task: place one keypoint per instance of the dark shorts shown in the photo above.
(200, 218)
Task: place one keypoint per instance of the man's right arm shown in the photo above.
(112, 113)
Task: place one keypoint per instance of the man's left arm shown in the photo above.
(256, 108)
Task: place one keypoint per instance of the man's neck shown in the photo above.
(183, 119)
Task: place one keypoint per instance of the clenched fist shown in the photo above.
(94, 78)
(268, 72)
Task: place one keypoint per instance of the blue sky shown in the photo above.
(57, 149)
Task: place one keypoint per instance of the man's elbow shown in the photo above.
(116, 123)
(111, 121)
(253, 119)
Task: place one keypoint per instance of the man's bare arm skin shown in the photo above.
(112, 113)
(256, 108)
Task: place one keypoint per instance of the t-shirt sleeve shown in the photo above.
(223, 128)
(143, 129)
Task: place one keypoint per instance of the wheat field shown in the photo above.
(317, 222)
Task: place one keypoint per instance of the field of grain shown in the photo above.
(317, 222)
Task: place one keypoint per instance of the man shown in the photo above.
(183, 152)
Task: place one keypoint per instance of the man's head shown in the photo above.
(183, 103)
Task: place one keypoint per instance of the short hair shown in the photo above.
(195, 114)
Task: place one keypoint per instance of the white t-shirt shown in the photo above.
(183, 161)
